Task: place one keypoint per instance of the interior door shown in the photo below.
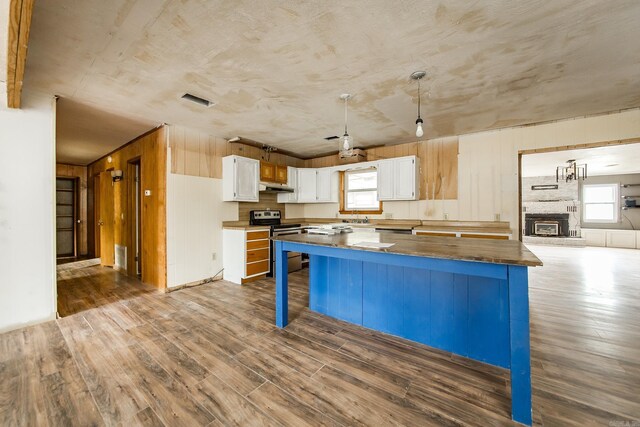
(106, 220)
(65, 217)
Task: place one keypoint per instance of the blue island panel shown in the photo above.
(464, 314)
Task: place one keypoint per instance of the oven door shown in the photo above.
(294, 260)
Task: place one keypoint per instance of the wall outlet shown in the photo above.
(497, 217)
(388, 216)
(446, 216)
(213, 256)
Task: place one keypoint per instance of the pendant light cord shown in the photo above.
(419, 98)
(345, 116)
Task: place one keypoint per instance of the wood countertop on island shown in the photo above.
(511, 252)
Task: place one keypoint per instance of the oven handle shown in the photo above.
(285, 233)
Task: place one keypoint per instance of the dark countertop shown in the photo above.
(480, 250)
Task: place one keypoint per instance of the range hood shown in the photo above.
(272, 187)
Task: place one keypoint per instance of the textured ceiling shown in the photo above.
(276, 68)
(84, 133)
(612, 160)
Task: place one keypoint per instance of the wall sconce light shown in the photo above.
(116, 175)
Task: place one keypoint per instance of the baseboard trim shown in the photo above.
(10, 328)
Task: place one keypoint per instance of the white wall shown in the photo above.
(488, 161)
(195, 212)
(488, 168)
(27, 212)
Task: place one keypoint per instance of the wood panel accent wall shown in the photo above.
(267, 201)
(151, 149)
(80, 173)
(438, 161)
(20, 12)
(199, 154)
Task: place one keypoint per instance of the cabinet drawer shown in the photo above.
(486, 236)
(435, 233)
(259, 267)
(257, 255)
(257, 235)
(257, 244)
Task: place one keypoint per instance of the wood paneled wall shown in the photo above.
(199, 154)
(151, 149)
(438, 164)
(19, 24)
(80, 173)
(267, 201)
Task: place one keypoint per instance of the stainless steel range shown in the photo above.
(273, 219)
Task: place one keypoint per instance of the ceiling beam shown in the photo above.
(19, 24)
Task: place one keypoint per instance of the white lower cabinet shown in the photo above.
(621, 239)
(594, 237)
(246, 254)
(611, 238)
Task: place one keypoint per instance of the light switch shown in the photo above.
(147, 193)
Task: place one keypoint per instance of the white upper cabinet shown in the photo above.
(240, 179)
(405, 178)
(323, 184)
(292, 181)
(385, 180)
(398, 178)
(307, 185)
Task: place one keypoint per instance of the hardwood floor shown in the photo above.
(210, 355)
(82, 286)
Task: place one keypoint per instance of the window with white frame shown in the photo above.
(361, 190)
(600, 202)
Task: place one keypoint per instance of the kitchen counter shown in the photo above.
(464, 296)
(245, 227)
(490, 251)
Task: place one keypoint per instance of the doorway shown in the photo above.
(66, 217)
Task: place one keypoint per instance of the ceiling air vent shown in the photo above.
(197, 100)
(331, 138)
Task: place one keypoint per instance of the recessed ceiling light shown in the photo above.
(198, 100)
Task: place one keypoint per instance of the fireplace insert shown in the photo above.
(548, 225)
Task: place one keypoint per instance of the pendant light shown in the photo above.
(418, 75)
(346, 142)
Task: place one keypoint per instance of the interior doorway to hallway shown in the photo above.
(66, 217)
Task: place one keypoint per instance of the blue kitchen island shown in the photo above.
(465, 296)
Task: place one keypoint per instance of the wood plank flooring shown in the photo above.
(210, 355)
(81, 288)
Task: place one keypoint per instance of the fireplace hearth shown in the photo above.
(547, 225)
